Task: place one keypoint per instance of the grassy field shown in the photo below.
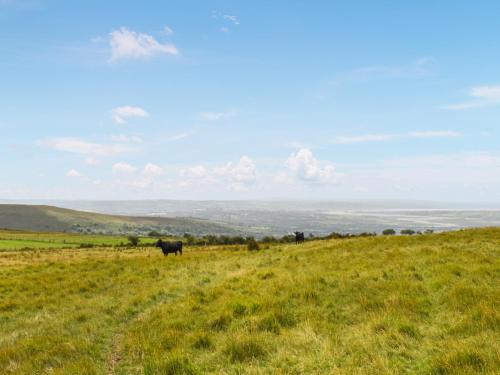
(17, 240)
(384, 305)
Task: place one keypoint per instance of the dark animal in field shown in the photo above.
(299, 237)
(170, 247)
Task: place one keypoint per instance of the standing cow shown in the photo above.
(170, 247)
(299, 237)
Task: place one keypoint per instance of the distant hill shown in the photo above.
(55, 219)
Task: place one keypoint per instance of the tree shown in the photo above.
(268, 239)
(408, 231)
(133, 240)
(389, 232)
(154, 233)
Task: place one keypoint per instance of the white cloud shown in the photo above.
(128, 44)
(216, 116)
(239, 176)
(386, 137)
(120, 114)
(168, 31)
(196, 172)
(231, 18)
(152, 170)
(306, 167)
(78, 146)
(123, 168)
(73, 173)
(484, 96)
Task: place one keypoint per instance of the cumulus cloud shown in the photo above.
(483, 96)
(238, 176)
(152, 170)
(73, 173)
(128, 44)
(306, 167)
(196, 172)
(123, 168)
(241, 174)
(120, 114)
(79, 146)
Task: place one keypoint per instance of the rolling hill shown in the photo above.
(55, 219)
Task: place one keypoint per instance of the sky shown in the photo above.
(250, 100)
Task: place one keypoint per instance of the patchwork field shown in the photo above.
(21, 240)
(381, 305)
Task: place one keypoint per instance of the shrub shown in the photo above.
(388, 232)
(86, 246)
(133, 240)
(287, 238)
(252, 244)
(408, 232)
(268, 239)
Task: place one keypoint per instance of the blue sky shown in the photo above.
(240, 99)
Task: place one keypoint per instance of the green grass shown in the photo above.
(384, 305)
(16, 240)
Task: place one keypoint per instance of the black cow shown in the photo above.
(170, 247)
(299, 237)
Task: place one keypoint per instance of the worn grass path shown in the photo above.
(386, 305)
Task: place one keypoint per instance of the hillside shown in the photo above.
(378, 305)
(55, 219)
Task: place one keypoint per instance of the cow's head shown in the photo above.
(159, 243)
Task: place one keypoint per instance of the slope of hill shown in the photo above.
(55, 219)
(425, 304)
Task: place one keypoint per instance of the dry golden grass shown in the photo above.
(386, 305)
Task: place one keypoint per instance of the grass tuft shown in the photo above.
(173, 365)
(241, 349)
